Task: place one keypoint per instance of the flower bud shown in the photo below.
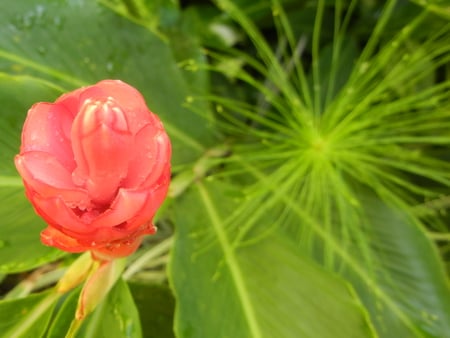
(97, 286)
(96, 166)
(76, 273)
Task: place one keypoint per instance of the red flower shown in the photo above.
(96, 167)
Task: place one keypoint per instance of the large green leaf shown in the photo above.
(411, 295)
(26, 317)
(264, 289)
(63, 318)
(74, 43)
(156, 306)
(400, 279)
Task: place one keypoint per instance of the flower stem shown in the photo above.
(156, 251)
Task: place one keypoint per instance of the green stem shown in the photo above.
(156, 251)
(316, 57)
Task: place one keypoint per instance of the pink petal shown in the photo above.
(125, 207)
(61, 217)
(150, 157)
(71, 101)
(124, 246)
(154, 198)
(47, 128)
(45, 175)
(116, 249)
(103, 228)
(126, 97)
(131, 214)
(57, 213)
(103, 251)
(53, 237)
(102, 145)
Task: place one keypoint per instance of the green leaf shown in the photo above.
(66, 312)
(409, 275)
(399, 278)
(75, 43)
(262, 289)
(117, 316)
(26, 317)
(156, 307)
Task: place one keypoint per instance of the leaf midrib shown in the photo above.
(41, 68)
(232, 264)
(10, 181)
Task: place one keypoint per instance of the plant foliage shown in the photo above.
(310, 173)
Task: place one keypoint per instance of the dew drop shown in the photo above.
(42, 50)
(27, 21)
(3, 243)
(109, 66)
(354, 202)
(57, 21)
(275, 11)
(191, 65)
(40, 11)
(364, 67)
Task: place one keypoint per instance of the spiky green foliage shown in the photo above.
(331, 140)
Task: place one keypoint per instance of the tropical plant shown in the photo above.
(310, 167)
